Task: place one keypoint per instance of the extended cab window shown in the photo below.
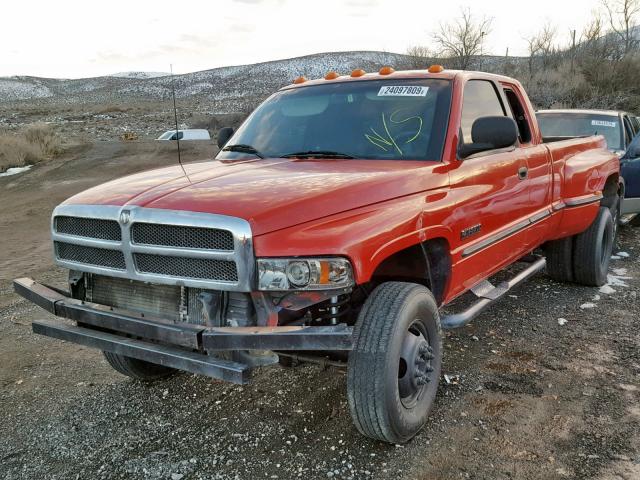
(480, 100)
(373, 119)
(519, 115)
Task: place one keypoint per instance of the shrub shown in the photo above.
(31, 145)
(44, 138)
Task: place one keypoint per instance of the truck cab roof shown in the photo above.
(400, 75)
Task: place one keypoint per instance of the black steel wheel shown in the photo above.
(394, 368)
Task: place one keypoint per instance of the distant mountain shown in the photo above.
(139, 74)
(228, 89)
(231, 88)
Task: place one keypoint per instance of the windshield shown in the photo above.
(373, 119)
(581, 124)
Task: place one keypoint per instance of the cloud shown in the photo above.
(360, 8)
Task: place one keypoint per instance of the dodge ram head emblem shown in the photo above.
(125, 215)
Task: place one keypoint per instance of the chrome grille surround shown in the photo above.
(235, 268)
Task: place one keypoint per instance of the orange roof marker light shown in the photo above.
(358, 72)
(300, 79)
(331, 75)
(435, 69)
(386, 70)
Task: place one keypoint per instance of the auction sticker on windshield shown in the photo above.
(403, 91)
(603, 123)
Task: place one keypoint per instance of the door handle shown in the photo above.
(523, 173)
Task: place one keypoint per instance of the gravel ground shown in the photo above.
(528, 396)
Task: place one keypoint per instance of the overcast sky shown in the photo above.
(72, 39)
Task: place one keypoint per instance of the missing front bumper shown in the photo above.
(178, 345)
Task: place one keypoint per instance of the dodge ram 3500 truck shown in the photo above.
(332, 226)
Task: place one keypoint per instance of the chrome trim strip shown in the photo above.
(487, 242)
(576, 202)
(242, 254)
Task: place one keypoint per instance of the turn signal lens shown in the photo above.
(331, 76)
(435, 69)
(358, 72)
(386, 71)
(300, 79)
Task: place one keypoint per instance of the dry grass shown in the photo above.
(29, 146)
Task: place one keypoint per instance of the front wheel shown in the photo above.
(137, 369)
(394, 368)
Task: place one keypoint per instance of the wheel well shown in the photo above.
(427, 263)
(612, 188)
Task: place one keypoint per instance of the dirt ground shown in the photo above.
(528, 398)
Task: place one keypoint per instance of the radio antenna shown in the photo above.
(175, 117)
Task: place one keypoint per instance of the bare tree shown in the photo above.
(594, 44)
(463, 38)
(622, 15)
(420, 56)
(541, 45)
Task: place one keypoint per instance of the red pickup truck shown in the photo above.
(332, 227)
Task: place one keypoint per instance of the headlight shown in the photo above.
(304, 273)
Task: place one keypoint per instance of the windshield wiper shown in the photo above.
(242, 149)
(317, 154)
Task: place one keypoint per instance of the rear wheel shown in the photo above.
(137, 369)
(394, 368)
(559, 255)
(592, 250)
(635, 221)
(615, 207)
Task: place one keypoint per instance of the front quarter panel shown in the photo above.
(367, 235)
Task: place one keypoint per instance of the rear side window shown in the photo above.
(480, 100)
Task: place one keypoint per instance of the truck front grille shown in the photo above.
(181, 267)
(167, 247)
(182, 237)
(88, 227)
(100, 257)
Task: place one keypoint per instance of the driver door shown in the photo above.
(492, 193)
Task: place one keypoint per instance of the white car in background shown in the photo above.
(191, 134)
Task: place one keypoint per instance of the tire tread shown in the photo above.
(372, 334)
(137, 369)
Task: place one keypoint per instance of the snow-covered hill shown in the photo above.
(227, 89)
(139, 74)
(231, 88)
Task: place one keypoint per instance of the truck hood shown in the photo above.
(269, 193)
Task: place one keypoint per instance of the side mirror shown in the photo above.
(224, 134)
(490, 133)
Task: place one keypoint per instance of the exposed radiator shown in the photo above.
(169, 302)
